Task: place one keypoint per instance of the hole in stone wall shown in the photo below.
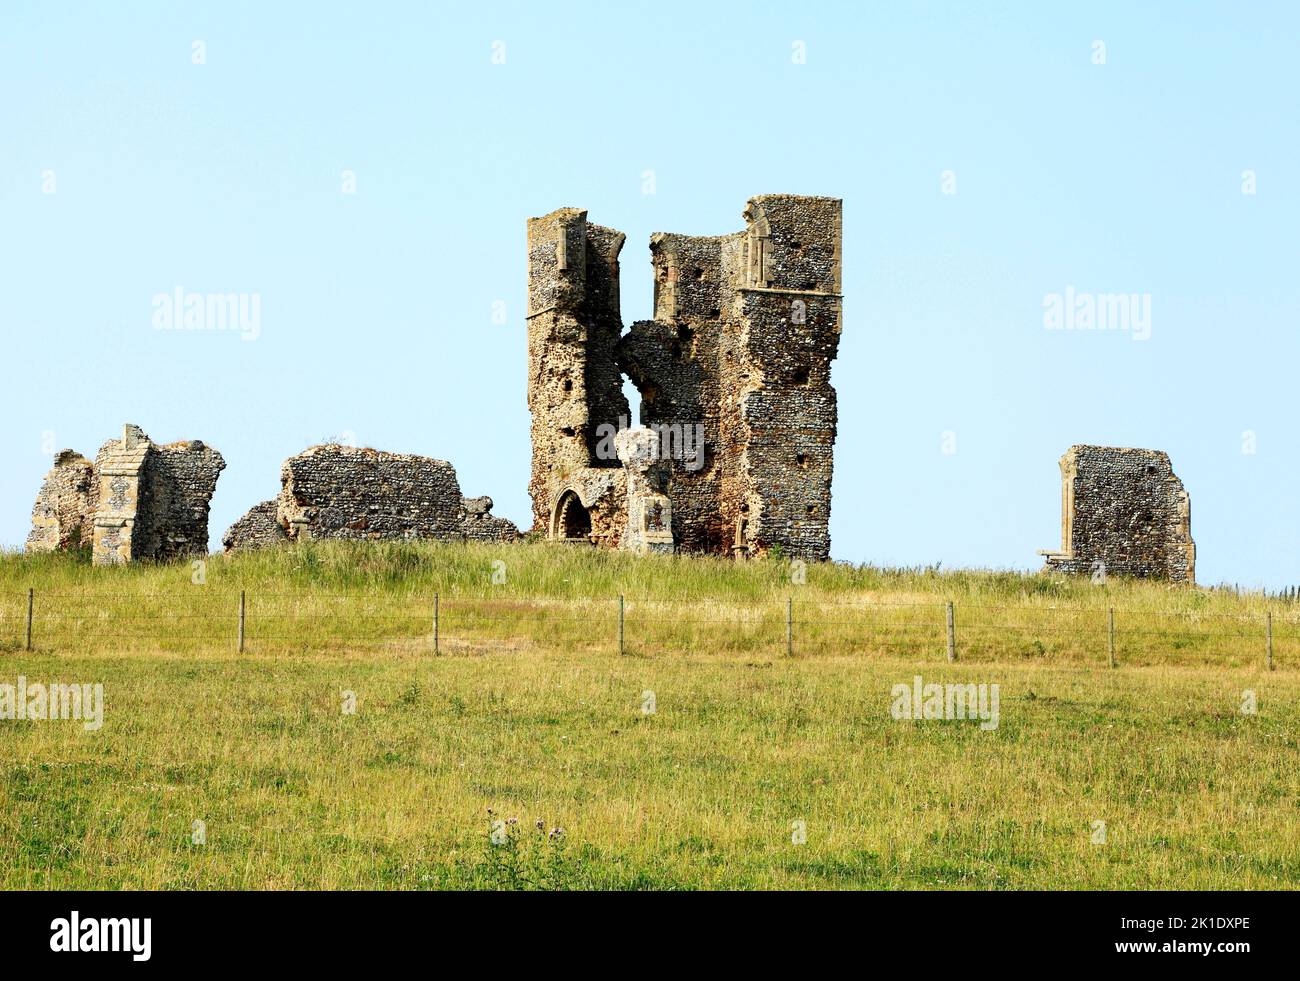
(812, 508)
(802, 460)
(800, 376)
(568, 384)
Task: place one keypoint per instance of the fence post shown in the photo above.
(620, 624)
(1111, 633)
(789, 626)
(1270, 639)
(241, 621)
(952, 634)
(435, 623)
(31, 593)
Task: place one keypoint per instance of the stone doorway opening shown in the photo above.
(572, 521)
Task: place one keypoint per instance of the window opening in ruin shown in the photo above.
(572, 521)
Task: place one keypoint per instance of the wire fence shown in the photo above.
(280, 622)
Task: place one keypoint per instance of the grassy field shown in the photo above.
(755, 770)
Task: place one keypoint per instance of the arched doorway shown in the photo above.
(572, 521)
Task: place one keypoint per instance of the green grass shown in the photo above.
(530, 711)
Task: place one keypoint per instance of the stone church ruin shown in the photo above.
(1124, 512)
(138, 500)
(359, 494)
(736, 362)
(733, 455)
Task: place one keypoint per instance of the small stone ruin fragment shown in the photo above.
(139, 500)
(360, 494)
(1123, 512)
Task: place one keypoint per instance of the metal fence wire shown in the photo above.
(284, 622)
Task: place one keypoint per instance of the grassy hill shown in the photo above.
(528, 709)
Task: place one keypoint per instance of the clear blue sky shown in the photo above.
(376, 307)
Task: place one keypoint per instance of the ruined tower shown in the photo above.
(733, 373)
(574, 385)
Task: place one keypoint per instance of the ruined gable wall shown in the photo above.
(674, 362)
(786, 329)
(1125, 508)
(574, 385)
(63, 517)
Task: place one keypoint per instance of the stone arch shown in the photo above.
(571, 521)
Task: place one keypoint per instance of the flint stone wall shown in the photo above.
(478, 524)
(138, 500)
(180, 479)
(361, 494)
(63, 517)
(152, 501)
(745, 329)
(256, 529)
(1124, 511)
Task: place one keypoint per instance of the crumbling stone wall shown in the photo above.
(744, 332)
(477, 523)
(180, 479)
(1124, 512)
(575, 387)
(152, 501)
(675, 363)
(258, 528)
(360, 494)
(574, 384)
(63, 517)
(138, 500)
(336, 491)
